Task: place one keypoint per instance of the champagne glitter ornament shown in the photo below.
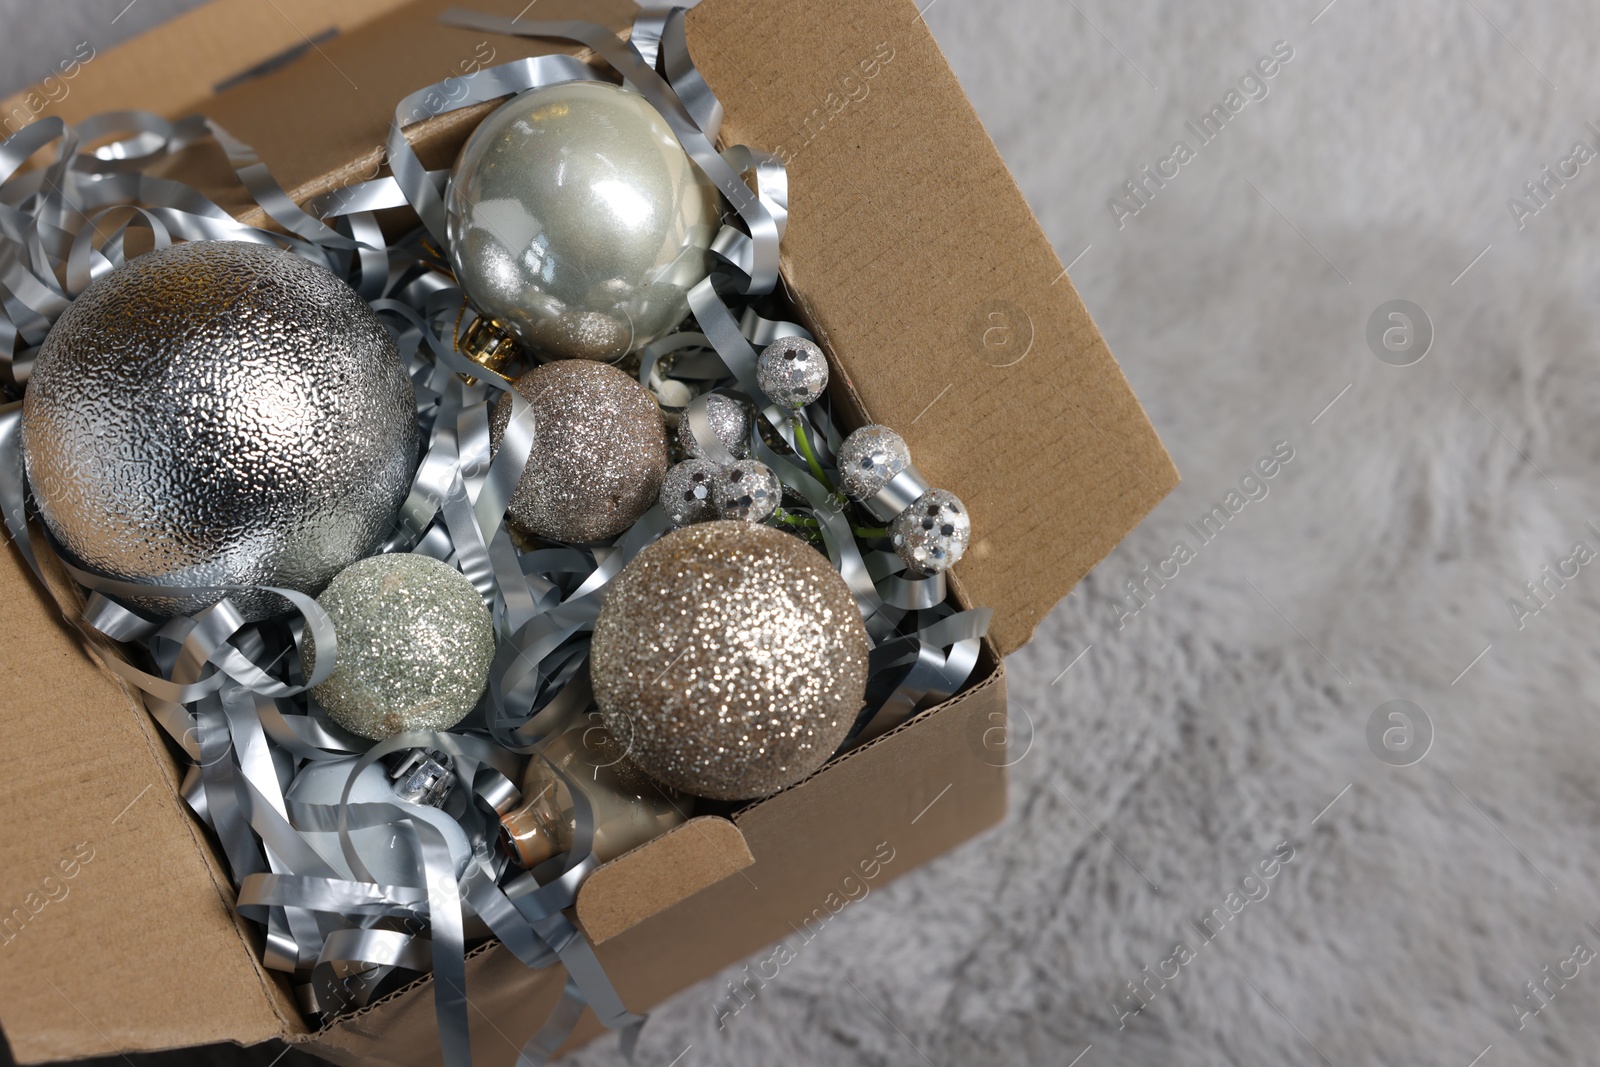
(599, 451)
(577, 221)
(733, 658)
(219, 413)
(730, 422)
(686, 492)
(870, 458)
(932, 534)
(415, 643)
(792, 371)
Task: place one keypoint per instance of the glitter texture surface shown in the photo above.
(932, 534)
(415, 643)
(870, 458)
(730, 421)
(747, 490)
(792, 371)
(686, 492)
(599, 451)
(577, 220)
(731, 657)
(219, 413)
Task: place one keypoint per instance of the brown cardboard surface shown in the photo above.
(918, 792)
(646, 881)
(138, 947)
(919, 265)
(908, 238)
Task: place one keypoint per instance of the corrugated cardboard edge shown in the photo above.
(107, 781)
(1050, 451)
(670, 868)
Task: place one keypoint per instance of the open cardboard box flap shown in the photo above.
(910, 253)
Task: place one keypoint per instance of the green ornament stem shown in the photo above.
(804, 442)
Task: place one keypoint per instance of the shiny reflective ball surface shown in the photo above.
(792, 371)
(414, 646)
(870, 458)
(730, 422)
(576, 220)
(686, 492)
(219, 413)
(932, 534)
(599, 451)
(746, 490)
(732, 657)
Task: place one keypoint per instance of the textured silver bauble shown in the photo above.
(686, 492)
(577, 220)
(415, 644)
(747, 490)
(733, 658)
(932, 534)
(870, 458)
(219, 414)
(599, 451)
(792, 371)
(730, 421)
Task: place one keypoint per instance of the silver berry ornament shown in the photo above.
(414, 646)
(577, 221)
(747, 490)
(599, 451)
(792, 371)
(932, 534)
(686, 492)
(730, 422)
(870, 458)
(732, 657)
(219, 413)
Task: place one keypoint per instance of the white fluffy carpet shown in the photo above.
(1228, 717)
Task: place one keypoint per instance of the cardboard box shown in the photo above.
(912, 257)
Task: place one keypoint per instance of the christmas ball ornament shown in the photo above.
(870, 458)
(578, 222)
(747, 491)
(219, 413)
(415, 643)
(792, 371)
(932, 534)
(686, 492)
(599, 451)
(730, 422)
(733, 658)
(391, 857)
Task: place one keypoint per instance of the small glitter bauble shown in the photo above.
(747, 491)
(792, 371)
(730, 421)
(219, 413)
(733, 658)
(932, 534)
(576, 219)
(686, 492)
(415, 644)
(599, 451)
(870, 458)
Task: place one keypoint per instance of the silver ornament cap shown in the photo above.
(732, 658)
(576, 219)
(599, 451)
(748, 491)
(792, 371)
(415, 644)
(219, 413)
(870, 458)
(932, 534)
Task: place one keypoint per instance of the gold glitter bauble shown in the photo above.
(415, 645)
(599, 451)
(730, 659)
